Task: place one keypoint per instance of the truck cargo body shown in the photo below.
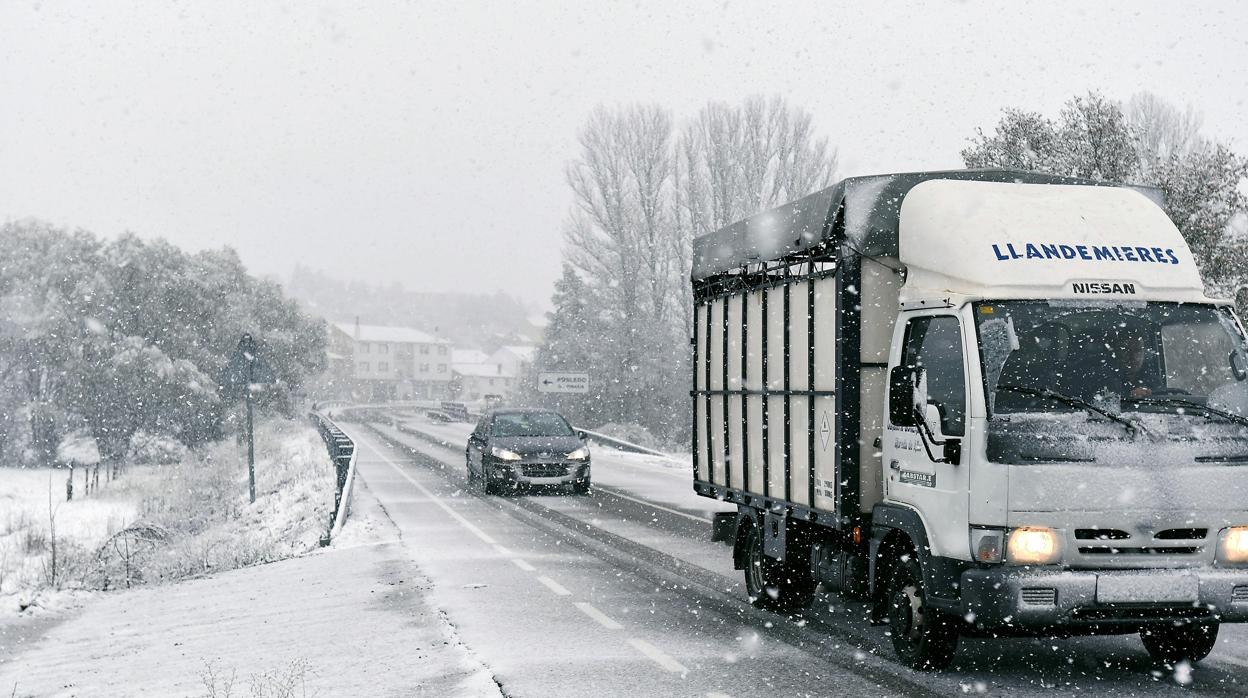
(857, 392)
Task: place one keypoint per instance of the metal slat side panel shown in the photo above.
(812, 471)
(848, 316)
(698, 435)
(800, 405)
(788, 398)
(706, 360)
(764, 327)
(880, 288)
(723, 353)
(755, 329)
(825, 438)
(777, 374)
(715, 355)
(734, 427)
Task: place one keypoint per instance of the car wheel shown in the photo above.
(1171, 644)
(923, 637)
(773, 585)
(581, 486)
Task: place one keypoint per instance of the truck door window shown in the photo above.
(935, 343)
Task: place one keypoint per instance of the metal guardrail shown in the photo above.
(342, 452)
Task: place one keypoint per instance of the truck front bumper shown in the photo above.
(1038, 600)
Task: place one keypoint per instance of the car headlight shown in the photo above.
(1033, 546)
(1233, 547)
(581, 453)
(504, 454)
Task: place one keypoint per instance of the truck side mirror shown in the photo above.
(900, 396)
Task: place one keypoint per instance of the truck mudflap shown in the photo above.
(1009, 600)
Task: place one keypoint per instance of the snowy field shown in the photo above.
(160, 523)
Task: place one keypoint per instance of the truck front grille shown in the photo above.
(1040, 597)
(1150, 550)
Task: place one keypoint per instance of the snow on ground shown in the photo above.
(352, 619)
(161, 523)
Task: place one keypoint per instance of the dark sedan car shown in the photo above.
(515, 447)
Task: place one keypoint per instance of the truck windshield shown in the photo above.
(1064, 379)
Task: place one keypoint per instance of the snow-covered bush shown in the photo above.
(155, 449)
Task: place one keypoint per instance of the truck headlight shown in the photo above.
(504, 454)
(1033, 546)
(1233, 547)
(581, 453)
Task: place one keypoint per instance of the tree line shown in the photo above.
(644, 186)
(122, 337)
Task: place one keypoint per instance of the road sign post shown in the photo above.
(562, 382)
(246, 367)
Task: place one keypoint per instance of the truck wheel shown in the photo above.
(923, 637)
(1171, 644)
(773, 585)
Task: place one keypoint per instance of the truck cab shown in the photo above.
(1065, 422)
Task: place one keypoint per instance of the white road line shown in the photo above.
(502, 551)
(657, 656)
(660, 507)
(602, 618)
(717, 694)
(554, 586)
(523, 565)
(423, 490)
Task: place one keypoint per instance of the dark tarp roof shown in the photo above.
(872, 206)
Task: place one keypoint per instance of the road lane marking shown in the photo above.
(425, 491)
(554, 586)
(657, 656)
(502, 551)
(523, 565)
(717, 694)
(602, 618)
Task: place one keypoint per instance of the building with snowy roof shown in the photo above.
(381, 363)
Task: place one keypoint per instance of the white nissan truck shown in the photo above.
(990, 402)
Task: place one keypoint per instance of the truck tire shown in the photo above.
(1171, 644)
(923, 637)
(773, 585)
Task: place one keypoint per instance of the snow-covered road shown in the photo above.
(623, 593)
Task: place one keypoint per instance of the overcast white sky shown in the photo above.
(425, 142)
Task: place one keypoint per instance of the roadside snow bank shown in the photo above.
(160, 523)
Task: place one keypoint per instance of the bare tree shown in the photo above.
(1162, 131)
(641, 194)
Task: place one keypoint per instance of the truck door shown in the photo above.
(937, 490)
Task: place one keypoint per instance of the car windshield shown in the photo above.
(530, 424)
(1155, 368)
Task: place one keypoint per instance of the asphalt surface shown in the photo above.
(622, 593)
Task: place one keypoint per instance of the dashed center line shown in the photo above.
(658, 656)
(423, 490)
(554, 586)
(603, 619)
(518, 562)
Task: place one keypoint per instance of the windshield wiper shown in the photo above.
(1073, 402)
(1196, 406)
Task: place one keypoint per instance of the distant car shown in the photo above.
(523, 446)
